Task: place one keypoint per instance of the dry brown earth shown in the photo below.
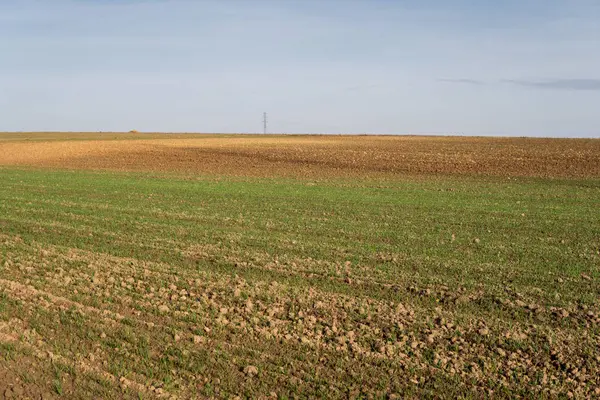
(310, 156)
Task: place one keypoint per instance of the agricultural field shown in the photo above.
(241, 266)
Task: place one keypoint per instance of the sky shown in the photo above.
(470, 67)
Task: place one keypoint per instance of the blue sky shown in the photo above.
(523, 68)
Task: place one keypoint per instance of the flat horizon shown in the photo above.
(457, 135)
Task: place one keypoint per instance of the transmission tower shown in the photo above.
(265, 123)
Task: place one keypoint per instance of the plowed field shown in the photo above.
(190, 266)
(312, 156)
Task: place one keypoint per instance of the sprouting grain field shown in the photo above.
(190, 266)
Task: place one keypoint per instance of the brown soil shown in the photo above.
(311, 156)
(28, 383)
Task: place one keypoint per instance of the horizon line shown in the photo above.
(449, 135)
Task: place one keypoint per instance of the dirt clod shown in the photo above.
(251, 370)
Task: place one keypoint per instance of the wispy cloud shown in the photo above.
(560, 84)
(466, 81)
(363, 87)
(557, 83)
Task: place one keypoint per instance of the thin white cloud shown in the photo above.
(467, 81)
(559, 84)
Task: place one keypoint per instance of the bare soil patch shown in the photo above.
(310, 156)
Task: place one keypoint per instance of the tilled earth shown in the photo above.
(228, 321)
(309, 156)
(125, 325)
